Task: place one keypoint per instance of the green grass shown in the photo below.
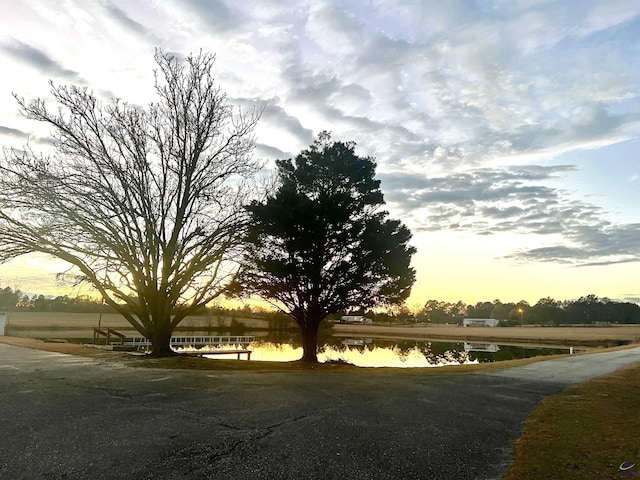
(586, 432)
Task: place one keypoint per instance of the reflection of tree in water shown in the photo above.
(452, 351)
(513, 352)
(434, 352)
(284, 336)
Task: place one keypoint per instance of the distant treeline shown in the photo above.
(547, 311)
(15, 300)
(589, 310)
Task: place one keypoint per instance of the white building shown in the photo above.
(480, 322)
(481, 347)
(355, 319)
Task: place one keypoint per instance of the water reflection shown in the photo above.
(367, 356)
(394, 357)
(481, 347)
(367, 352)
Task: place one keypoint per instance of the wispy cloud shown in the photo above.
(121, 17)
(215, 14)
(440, 83)
(591, 245)
(13, 132)
(39, 60)
(464, 105)
(513, 200)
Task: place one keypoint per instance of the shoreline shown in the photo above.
(190, 362)
(569, 335)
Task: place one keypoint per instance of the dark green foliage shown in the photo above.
(435, 311)
(547, 311)
(480, 310)
(321, 243)
(9, 298)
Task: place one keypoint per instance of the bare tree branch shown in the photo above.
(145, 203)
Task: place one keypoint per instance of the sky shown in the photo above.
(506, 132)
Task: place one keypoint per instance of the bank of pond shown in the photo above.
(373, 352)
(286, 346)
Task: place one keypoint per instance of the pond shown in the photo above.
(370, 352)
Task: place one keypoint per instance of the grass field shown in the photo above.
(558, 335)
(80, 325)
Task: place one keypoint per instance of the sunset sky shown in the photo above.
(506, 132)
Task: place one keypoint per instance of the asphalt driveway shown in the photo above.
(68, 417)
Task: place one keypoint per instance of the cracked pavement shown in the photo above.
(67, 417)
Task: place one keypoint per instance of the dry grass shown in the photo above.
(556, 335)
(586, 432)
(80, 325)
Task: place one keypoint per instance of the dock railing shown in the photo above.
(194, 341)
(108, 333)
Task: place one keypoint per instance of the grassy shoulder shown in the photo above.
(588, 431)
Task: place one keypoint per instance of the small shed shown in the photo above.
(480, 322)
(355, 319)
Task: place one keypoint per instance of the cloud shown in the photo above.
(592, 245)
(267, 151)
(631, 297)
(214, 14)
(477, 189)
(121, 17)
(557, 253)
(277, 116)
(472, 88)
(23, 137)
(475, 83)
(456, 100)
(12, 132)
(39, 60)
(513, 200)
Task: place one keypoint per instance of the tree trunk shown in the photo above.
(309, 332)
(161, 342)
(161, 328)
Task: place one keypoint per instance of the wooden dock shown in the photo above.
(229, 352)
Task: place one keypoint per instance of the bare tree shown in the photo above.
(144, 203)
